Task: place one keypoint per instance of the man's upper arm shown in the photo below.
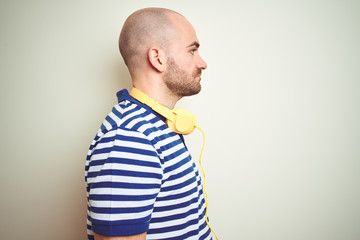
(124, 180)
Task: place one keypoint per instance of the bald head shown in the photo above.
(144, 29)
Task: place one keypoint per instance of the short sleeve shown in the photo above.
(124, 178)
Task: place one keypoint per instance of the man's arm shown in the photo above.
(141, 236)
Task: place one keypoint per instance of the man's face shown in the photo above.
(184, 64)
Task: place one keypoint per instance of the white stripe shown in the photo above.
(125, 179)
(128, 144)
(120, 110)
(108, 134)
(175, 211)
(142, 146)
(182, 179)
(135, 156)
(126, 167)
(134, 168)
(107, 125)
(173, 222)
(136, 120)
(175, 201)
(166, 141)
(173, 149)
(172, 234)
(119, 204)
(176, 160)
(120, 216)
(99, 156)
(122, 191)
(177, 191)
(114, 117)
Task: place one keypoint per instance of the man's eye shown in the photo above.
(192, 51)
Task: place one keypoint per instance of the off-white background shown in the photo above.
(280, 106)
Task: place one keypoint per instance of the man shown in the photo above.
(141, 181)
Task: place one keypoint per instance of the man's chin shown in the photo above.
(193, 91)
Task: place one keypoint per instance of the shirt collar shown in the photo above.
(124, 95)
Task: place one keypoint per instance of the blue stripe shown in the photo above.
(179, 195)
(97, 163)
(111, 121)
(176, 154)
(181, 174)
(171, 145)
(175, 216)
(180, 185)
(182, 226)
(148, 131)
(126, 161)
(178, 164)
(120, 222)
(206, 234)
(102, 140)
(125, 150)
(184, 236)
(125, 123)
(90, 237)
(120, 210)
(114, 172)
(116, 198)
(134, 150)
(125, 185)
(174, 228)
(176, 206)
(132, 139)
(129, 161)
(116, 113)
(103, 129)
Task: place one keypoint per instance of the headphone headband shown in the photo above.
(178, 120)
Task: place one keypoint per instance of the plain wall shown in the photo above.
(280, 106)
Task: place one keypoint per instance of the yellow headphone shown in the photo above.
(178, 120)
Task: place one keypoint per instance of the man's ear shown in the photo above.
(157, 58)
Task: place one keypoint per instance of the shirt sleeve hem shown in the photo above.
(115, 230)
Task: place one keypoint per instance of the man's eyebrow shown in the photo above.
(196, 44)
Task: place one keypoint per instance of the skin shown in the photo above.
(141, 236)
(165, 72)
(181, 65)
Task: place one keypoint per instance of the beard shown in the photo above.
(180, 82)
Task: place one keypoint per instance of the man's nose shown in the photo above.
(201, 64)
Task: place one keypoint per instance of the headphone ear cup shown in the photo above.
(184, 122)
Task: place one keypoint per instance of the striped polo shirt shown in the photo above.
(140, 178)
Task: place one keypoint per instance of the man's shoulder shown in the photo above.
(130, 116)
(121, 115)
(131, 122)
